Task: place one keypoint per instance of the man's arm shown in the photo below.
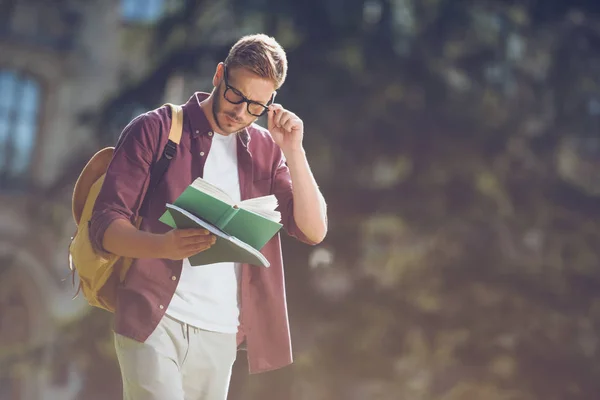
(124, 239)
(310, 210)
(294, 174)
(120, 198)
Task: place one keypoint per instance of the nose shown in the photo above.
(240, 110)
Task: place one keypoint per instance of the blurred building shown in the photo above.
(72, 75)
(59, 63)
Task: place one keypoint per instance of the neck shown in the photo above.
(207, 106)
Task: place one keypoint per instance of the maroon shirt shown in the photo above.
(144, 296)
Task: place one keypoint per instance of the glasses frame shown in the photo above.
(244, 98)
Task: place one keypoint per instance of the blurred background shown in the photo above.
(457, 143)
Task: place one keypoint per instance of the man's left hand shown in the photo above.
(286, 128)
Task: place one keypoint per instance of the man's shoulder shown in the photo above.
(259, 133)
(262, 141)
(153, 118)
(261, 137)
(149, 123)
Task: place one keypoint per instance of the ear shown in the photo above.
(218, 77)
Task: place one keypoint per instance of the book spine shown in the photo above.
(226, 217)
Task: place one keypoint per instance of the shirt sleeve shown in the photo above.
(127, 177)
(283, 190)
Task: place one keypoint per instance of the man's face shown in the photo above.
(237, 85)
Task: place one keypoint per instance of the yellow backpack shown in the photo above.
(100, 274)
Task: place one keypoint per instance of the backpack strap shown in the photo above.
(168, 153)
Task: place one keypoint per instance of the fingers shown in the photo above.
(190, 251)
(275, 107)
(275, 114)
(284, 118)
(194, 240)
(289, 124)
(197, 247)
(191, 232)
(183, 243)
(280, 118)
(270, 116)
(277, 118)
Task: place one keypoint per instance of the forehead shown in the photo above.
(251, 85)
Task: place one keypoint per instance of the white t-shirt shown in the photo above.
(207, 295)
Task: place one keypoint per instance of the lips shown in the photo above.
(232, 120)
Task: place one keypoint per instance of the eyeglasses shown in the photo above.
(234, 96)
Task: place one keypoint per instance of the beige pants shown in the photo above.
(177, 362)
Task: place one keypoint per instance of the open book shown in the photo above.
(241, 229)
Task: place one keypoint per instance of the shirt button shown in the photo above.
(161, 306)
(209, 133)
(197, 131)
(173, 278)
(202, 153)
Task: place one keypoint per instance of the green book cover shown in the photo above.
(245, 224)
(243, 228)
(226, 248)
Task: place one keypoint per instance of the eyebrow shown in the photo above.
(255, 101)
(227, 77)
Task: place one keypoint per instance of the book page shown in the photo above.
(199, 221)
(212, 190)
(264, 206)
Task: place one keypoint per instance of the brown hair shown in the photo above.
(260, 54)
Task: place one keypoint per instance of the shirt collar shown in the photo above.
(198, 121)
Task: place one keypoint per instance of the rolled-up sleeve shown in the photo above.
(127, 177)
(283, 190)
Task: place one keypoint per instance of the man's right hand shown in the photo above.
(178, 244)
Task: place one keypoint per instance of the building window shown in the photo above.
(19, 109)
(142, 11)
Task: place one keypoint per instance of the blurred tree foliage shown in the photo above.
(457, 144)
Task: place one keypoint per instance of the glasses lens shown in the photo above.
(256, 109)
(233, 97)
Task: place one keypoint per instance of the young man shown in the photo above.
(177, 327)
